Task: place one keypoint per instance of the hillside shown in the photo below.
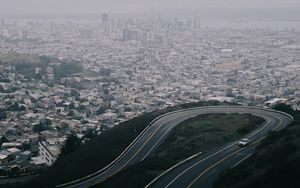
(100, 151)
(275, 164)
(198, 134)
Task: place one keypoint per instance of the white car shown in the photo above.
(244, 142)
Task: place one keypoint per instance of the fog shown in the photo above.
(206, 8)
(71, 70)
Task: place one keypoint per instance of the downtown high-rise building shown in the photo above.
(105, 18)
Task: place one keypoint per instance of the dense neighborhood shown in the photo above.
(58, 79)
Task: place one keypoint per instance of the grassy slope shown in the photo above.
(201, 133)
(275, 164)
(101, 151)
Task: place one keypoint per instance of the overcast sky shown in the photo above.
(137, 6)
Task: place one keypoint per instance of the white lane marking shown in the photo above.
(211, 156)
(132, 144)
(230, 111)
(241, 154)
(197, 164)
(218, 162)
(240, 161)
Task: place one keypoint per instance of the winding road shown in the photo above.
(198, 170)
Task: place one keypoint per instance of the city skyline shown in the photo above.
(116, 92)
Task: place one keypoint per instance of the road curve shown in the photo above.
(190, 172)
(202, 170)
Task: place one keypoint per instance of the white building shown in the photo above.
(49, 152)
(275, 101)
(3, 159)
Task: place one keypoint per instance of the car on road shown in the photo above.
(244, 142)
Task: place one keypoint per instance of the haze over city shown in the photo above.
(149, 93)
(205, 8)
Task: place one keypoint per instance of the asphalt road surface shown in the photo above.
(199, 170)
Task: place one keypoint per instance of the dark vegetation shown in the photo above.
(275, 164)
(197, 134)
(65, 69)
(3, 115)
(102, 149)
(205, 132)
(71, 144)
(16, 107)
(2, 140)
(27, 65)
(41, 126)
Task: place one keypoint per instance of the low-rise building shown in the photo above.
(275, 101)
(3, 159)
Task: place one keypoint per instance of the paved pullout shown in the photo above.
(190, 173)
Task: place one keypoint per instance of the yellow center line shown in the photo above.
(215, 164)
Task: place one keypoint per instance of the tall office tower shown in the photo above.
(105, 18)
(125, 34)
(107, 28)
(166, 38)
(196, 23)
(106, 24)
(2, 22)
(188, 24)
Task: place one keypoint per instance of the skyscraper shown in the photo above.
(166, 38)
(106, 24)
(125, 34)
(105, 18)
(196, 23)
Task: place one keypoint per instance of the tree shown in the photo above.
(72, 106)
(75, 93)
(45, 59)
(71, 144)
(13, 107)
(81, 107)
(48, 122)
(2, 140)
(37, 128)
(105, 72)
(100, 111)
(90, 134)
(71, 113)
(67, 68)
(3, 115)
(284, 108)
(22, 108)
